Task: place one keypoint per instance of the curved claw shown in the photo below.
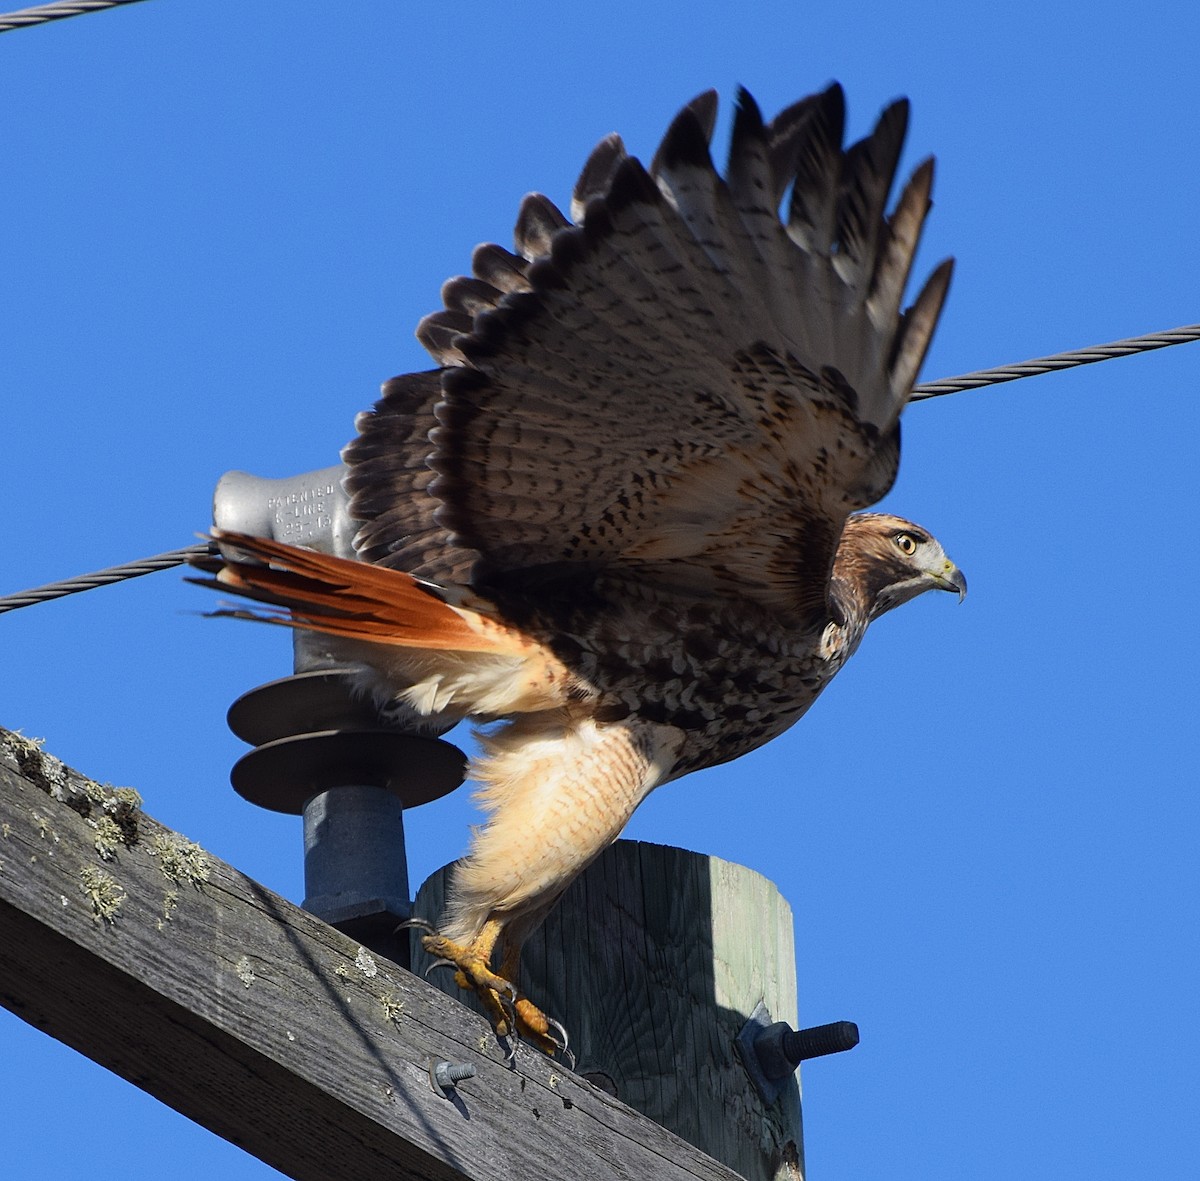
(562, 1033)
(508, 1006)
(563, 1045)
(442, 963)
(419, 924)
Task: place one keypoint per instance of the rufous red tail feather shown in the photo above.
(340, 597)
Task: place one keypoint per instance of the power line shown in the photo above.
(1051, 364)
(929, 389)
(25, 17)
(56, 590)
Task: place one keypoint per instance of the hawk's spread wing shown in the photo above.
(680, 386)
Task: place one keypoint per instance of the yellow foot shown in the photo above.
(535, 1026)
(508, 1009)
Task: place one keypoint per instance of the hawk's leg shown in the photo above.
(509, 1010)
(558, 789)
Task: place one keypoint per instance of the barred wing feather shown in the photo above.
(681, 386)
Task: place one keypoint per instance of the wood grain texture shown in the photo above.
(653, 961)
(263, 1024)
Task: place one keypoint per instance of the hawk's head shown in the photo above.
(883, 561)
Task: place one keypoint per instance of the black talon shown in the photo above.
(419, 924)
(510, 1011)
(562, 1046)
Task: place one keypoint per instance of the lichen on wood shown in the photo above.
(103, 892)
(120, 805)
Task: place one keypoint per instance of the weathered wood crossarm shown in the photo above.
(251, 1017)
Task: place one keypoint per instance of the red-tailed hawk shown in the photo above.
(615, 526)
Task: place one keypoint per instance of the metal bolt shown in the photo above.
(771, 1050)
(444, 1075)
(780, 1049)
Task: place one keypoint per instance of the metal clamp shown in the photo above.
(310, 509)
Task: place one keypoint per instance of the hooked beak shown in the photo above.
(951, 578)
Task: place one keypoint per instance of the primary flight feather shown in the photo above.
(621, 520)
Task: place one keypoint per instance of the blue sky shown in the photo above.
(222, 222)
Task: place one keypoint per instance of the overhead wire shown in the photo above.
(1055, 362)
(23, 18)
(70, 586)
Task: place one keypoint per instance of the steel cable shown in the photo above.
(70, 586)
(1055, 362)
(24, 17)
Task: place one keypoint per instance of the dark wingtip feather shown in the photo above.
(831, 103)
(916, 327)
(702, 114)
(538, 220)
(687, 139)
(500, 268)
(785, 139)
(892, 127)
(704, 107)
(816, 164)
(597, 172)
(868, 173)
(469, 295)
(631, 184)
(747, 117)
(438, 333)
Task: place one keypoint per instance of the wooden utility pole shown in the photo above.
(272, 1029)
(653, 960)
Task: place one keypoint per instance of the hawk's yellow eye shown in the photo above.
(906, 543)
